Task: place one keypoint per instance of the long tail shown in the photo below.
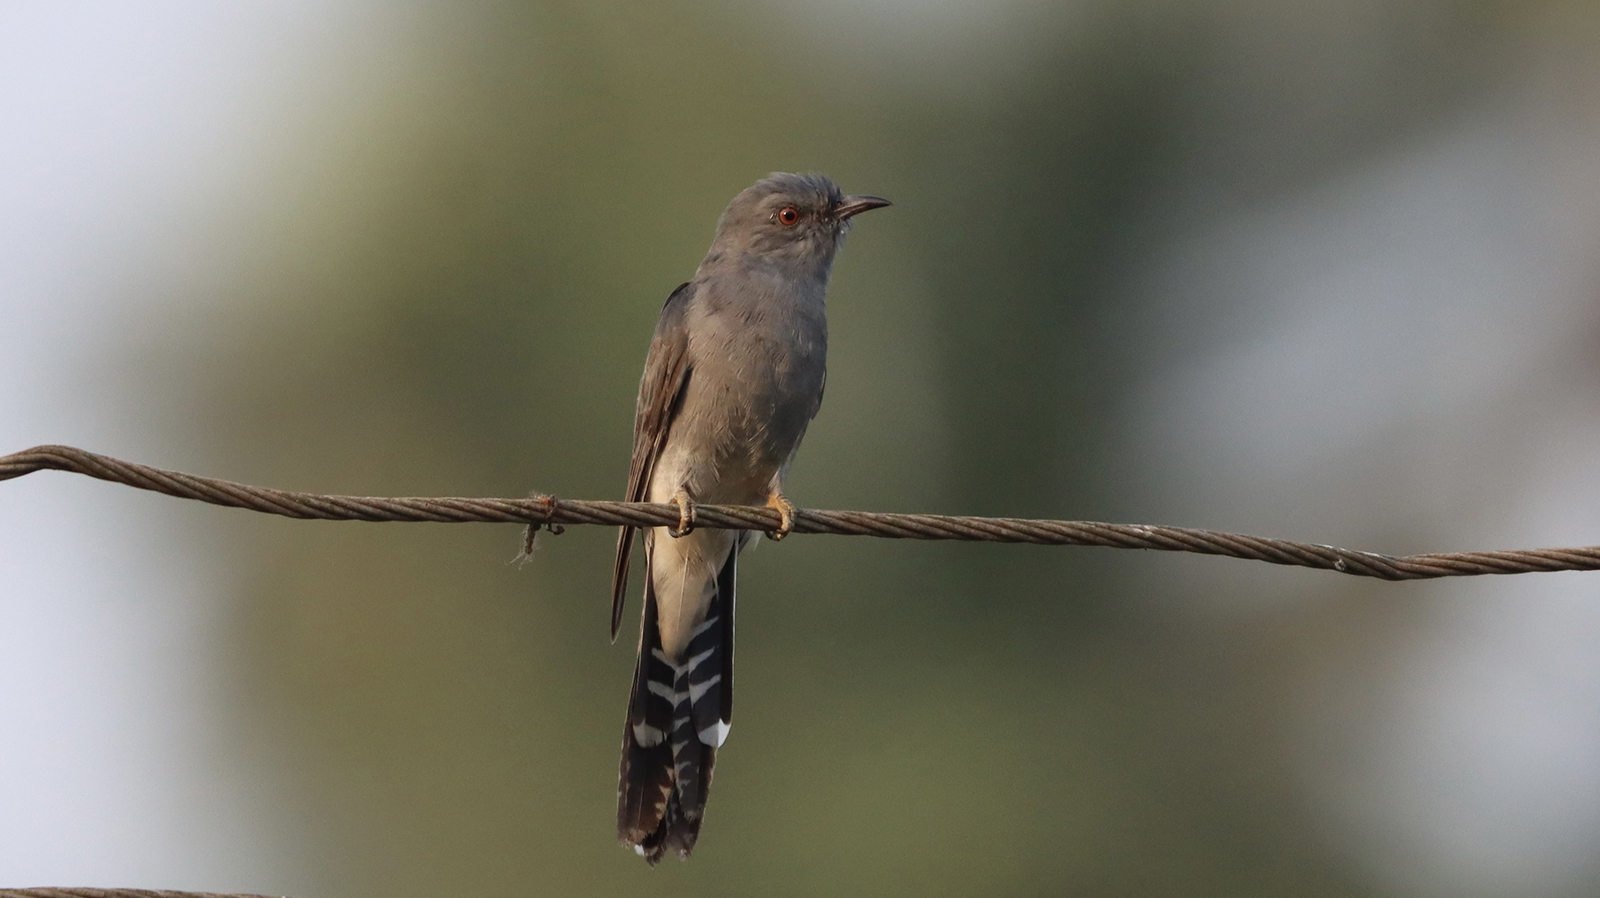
(677, 718)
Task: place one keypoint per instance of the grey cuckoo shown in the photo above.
(734, 376)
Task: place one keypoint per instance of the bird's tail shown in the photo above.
(678, 715)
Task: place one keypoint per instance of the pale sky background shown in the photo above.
(122, 167)
(1463, 268)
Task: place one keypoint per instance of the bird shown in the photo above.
(735, 373)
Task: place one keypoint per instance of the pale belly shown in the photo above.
(730, 445)
(735, 436)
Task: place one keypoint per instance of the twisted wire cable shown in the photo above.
(548, 511)
(112, 893)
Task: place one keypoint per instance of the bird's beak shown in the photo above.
(855, 205)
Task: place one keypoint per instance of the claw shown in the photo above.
(786, 512)
(685, 514)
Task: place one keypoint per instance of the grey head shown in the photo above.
(787, 219)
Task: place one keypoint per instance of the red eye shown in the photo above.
(788, 215)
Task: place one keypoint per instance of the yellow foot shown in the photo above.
(685, 514)
(786, 512)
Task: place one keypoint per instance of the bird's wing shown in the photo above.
(666, 372)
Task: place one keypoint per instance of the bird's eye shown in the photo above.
(788, 215)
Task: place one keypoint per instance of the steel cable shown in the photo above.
(548, 511)
(112, 893)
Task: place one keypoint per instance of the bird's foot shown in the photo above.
(786, 512)
(685, 514)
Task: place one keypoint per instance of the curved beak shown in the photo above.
(855, 205)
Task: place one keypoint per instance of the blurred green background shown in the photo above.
(437, 274)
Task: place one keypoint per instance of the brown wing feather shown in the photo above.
(666, 371)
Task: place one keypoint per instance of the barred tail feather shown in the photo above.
(645, 786)
(678, 716)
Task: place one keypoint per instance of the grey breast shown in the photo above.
(758, 345)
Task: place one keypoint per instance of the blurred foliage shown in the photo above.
(454, 296)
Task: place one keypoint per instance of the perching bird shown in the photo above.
(734, 376)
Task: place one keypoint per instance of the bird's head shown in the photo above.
(789, 218)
